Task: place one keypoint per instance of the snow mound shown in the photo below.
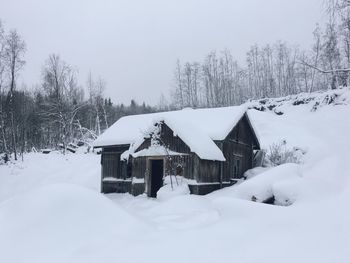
(39, 169)
(255, 171)
(183, 212)
(178, 187)
(277, 182)
(55, 221)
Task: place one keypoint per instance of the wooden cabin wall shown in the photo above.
(244, 133)
(194, 168)
(238, 145)
(207, 175)
(174, 143)
(112, 166)
(138, 171)
(234, 152)
(145, 144)
(185, 161)
(139, 167)
(205, 171)
(209, 171)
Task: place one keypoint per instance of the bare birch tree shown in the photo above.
(64, 99)
(2, 81)
(15, 49)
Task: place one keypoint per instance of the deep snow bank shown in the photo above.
(44, 169)
(278, 182)
(57, 221)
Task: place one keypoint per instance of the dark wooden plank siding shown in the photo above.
(209, 171)
(139, 167)
(243, 133)
(238, 150)
(171, 141)
(112, 166)
(184, 161)
(235, 152)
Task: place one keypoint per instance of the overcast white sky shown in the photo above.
(134, 45)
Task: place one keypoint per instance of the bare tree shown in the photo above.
(331, 54)
(15, 49)
(211, 79)
(2, 80)
(64, 99)
(96, 103)
(100, 87)
(195, 84)
(316, 49)
(178, 81)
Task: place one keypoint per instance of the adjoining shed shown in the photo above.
(210, 148)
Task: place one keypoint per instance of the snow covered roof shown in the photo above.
(198, 128)
(198, 141)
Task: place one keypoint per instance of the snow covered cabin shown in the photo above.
(210, 148)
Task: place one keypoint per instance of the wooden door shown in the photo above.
(157, 172)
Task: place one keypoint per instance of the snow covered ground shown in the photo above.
(51, 209)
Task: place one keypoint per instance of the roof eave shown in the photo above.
(111, 145)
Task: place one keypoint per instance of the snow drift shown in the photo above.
(53, 222)
(277, 183)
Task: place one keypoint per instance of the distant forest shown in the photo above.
(272, 70)
(58, 111)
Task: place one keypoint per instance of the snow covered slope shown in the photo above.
(318, 123)
(51, 211)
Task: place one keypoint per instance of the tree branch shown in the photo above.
(332, 71)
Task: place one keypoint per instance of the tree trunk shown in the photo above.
(13, 133)
(2, 123)
(334, 82)
(13, 130)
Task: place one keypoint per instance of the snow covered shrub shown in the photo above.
(279, 154)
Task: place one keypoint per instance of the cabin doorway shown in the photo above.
(157, 171)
